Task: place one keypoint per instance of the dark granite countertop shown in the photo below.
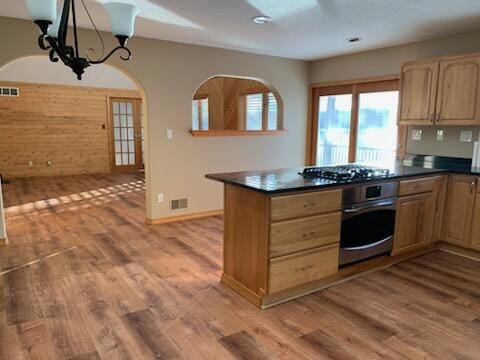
(285, 180)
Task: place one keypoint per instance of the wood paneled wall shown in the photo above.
(223, 100)
(67, 125)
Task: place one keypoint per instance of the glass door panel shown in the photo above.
(377, 128)
(334, 114)
(126, 135)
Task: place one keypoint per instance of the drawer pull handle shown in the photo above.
(304, 268)
(310, 204)
(313, 233)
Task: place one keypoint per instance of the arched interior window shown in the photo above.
(227, 104)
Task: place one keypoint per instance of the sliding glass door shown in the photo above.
(355, 123)
(377, 128)
(334, 121)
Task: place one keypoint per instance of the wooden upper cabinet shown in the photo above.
(459, 209)
(458, 99)
(418, 87)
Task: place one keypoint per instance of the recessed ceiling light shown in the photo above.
(262, 19)
(353, 39)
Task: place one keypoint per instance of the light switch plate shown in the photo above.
(466, 136)
(169, 134)
(417, 135)
(440, 135)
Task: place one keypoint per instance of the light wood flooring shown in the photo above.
(85, 278)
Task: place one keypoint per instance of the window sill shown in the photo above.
(204, 133)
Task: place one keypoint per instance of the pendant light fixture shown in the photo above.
(54, 30)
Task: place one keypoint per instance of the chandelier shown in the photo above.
(54, 31)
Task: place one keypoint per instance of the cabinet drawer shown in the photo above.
(295, 206)
(417, 186)
(291, 236)
(300, 268)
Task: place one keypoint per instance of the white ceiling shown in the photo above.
(301, 29)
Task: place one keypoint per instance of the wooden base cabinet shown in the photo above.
(439, 199)
(459, 209)
(420, 213)
(300, 268)
(413, 222)
(274, 245)
(475, 230)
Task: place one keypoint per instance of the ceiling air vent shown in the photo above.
(179, 204)
(9, 91)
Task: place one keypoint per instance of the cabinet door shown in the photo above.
(413, 222)
(458, 99)
(439, 198)
(475, 233)
(418, 85)
(458, 213)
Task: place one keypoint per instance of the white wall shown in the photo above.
(39, 69)
(388, 61)
(169, 73)
(450, 146)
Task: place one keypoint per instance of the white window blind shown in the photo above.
(204, 114)
(272, 118)
(254, 111)
(200, 114)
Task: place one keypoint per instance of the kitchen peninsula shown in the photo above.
(284, 231)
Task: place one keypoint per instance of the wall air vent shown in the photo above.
(8, 91)
(179, 204)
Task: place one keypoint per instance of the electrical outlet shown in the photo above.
(466, 136)
(440, 135)
(160, 197)
(30, 163)
(417, 135)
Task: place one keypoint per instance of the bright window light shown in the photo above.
(282, 9)
(150, 10)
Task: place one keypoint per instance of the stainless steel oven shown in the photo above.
(368, 221)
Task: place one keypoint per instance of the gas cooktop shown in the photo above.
(346, 173)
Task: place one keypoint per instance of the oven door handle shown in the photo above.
(368, 245)
(369, 206)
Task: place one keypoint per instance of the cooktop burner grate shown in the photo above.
(346, 173)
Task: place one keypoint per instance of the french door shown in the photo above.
(126, 134)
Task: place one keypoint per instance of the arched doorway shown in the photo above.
(61, 132)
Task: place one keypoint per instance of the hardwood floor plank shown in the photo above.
(143, 324)
(90, 356)
(84, 278)
(367, 322)
(243, 346)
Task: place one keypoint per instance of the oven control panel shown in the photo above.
(362, 193)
